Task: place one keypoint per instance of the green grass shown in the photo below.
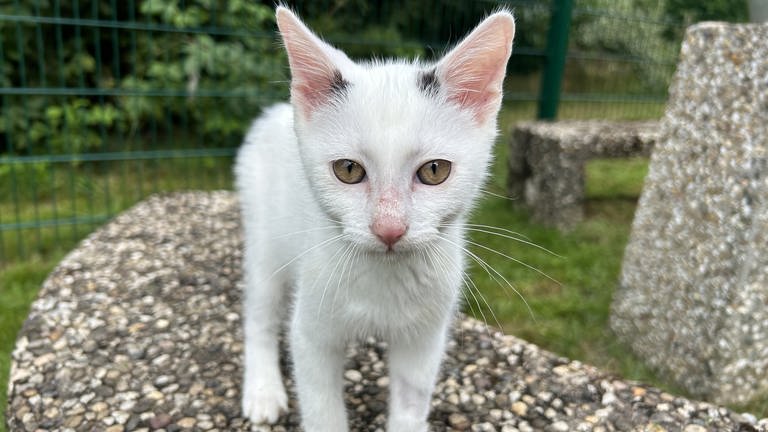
(615, 180)
(568, 295)
(89, 191)
(525, 110)
(18, 286)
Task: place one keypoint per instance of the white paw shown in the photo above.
(406, 424)
(263, 403)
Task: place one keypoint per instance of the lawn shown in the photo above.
(568, 290)
(559, 298)
(18, 285)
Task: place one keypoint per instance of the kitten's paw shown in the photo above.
(406, 424)
(264, 403)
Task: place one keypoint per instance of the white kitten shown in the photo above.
(354, 199)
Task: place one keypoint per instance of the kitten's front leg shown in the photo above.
(414, 365)
(264, 397)
(317, 366)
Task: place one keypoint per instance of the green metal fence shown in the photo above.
(620, 60)
(105, 102)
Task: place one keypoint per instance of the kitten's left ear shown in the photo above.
(473, 72)
(315, 66)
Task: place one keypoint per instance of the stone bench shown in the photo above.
(546, 162)
(138, 329)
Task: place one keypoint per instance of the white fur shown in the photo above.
(309, 242)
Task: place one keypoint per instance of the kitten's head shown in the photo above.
(397, 151)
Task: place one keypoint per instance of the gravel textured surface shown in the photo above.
(139, 329)
(694, 286)
(546, 162)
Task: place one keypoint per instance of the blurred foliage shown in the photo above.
(646, 34)
(410, 28)
(123, 80)
(633, 32)
(688, 12)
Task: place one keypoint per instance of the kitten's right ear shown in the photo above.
(473, 72)
(316, 67)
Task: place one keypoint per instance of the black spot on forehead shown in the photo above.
(428, 82)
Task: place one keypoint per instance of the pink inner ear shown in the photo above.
(313, 72)
(473, 72)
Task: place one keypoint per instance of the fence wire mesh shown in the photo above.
(105, 102)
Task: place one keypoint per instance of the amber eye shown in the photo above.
(434, 172)
(348, 171)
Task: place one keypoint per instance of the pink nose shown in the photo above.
(389, 232)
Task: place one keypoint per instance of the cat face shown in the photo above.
(396, 151)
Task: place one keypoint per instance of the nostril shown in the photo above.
(389, 234)
(389, 238)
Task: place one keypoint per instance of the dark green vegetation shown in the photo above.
(92, 83)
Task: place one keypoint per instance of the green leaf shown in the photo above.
(54, 113)
(86, 62)
(38, 131)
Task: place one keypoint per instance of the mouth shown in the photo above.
(407, 245)
(390, 251)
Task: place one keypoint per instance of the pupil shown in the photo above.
(434, 168)
(350, 166)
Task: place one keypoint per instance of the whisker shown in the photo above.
(508, 198)
(355, 258)
(469, 303)
(472, 288)
(491, 227)
(305, 231)
(441, 261)
(528, 266)
(529, 243)
(321, 244)
(488, 269)
(465, 278)
(423, 253)
(303, 216)
(338, 252)
(347, 260)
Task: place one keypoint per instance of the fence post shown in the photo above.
(554, 61)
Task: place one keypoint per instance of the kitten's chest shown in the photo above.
(382, 297)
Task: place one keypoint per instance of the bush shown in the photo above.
(209, 64)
